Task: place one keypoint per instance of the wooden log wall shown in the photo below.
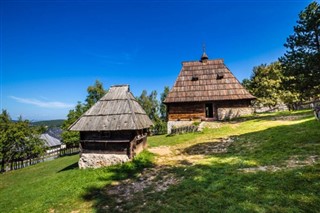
(196, 110)
(106, 135)
(114, 142)
(185, 111)
(100, 147)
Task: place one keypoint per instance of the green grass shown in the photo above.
(60, 185)
(214, 184)
(171, 140)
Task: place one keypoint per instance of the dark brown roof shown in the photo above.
(209, 80)
(116, 110)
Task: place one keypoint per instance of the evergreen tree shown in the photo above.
(163, 107)
(150, 104)
(301, 62)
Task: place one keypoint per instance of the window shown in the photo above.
(220, 76)
(194, 78)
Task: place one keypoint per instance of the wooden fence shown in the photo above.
(19, 164)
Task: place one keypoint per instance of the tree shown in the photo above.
(163, 107)
(4, 126)
(71, 138)
(18, 140)
(95, 92)
(265, 83)
(301, 61)
(150, 104)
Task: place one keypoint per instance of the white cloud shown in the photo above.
(43, 104)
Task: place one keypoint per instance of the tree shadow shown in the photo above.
(270, 146)
(219, 184)
(284, 116)
(70, 167)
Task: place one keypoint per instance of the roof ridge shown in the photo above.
(129, 113)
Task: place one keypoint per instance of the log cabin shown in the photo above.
(206, 90)
(113, 130)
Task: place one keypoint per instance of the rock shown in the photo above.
(88, 160)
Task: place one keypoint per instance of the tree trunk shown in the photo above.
(3, 164)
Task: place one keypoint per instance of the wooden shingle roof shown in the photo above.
(50, 141)
(208, 80)
(116, 110)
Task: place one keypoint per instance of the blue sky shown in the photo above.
(51, 51)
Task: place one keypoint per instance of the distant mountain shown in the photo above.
(49, 123)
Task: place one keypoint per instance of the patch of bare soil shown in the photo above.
(188, 155)
(207, 148)
(156, 179)
(292, 163)
(159, 178)
(161, 150)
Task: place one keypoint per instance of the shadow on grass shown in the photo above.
(205, 148)
(271, 146)
(117, 173)
(219, 185)
(70, 167)
(285, 116)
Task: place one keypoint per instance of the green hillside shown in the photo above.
(49, 123)
(263, 163)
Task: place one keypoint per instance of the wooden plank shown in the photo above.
(104, 151)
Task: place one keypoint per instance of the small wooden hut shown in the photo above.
(206, 90)
(113, 130)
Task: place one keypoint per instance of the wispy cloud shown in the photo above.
(43, 104)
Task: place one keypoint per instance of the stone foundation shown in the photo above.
(89, 160)
(229, 113)
(225, 113)
(171, 124)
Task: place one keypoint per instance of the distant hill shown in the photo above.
(49, 123)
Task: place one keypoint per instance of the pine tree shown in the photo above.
(301, 62)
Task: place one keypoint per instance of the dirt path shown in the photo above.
(161, 176)
(189, 154)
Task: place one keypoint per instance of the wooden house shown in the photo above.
(51, 143)
(113, 130)
(206, 90)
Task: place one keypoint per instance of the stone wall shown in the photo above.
(279, 107)
(89, 160)
(224, 113)
(229, 113)
(172, 124)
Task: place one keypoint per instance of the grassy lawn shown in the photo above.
(59, 185)
(282, 149)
